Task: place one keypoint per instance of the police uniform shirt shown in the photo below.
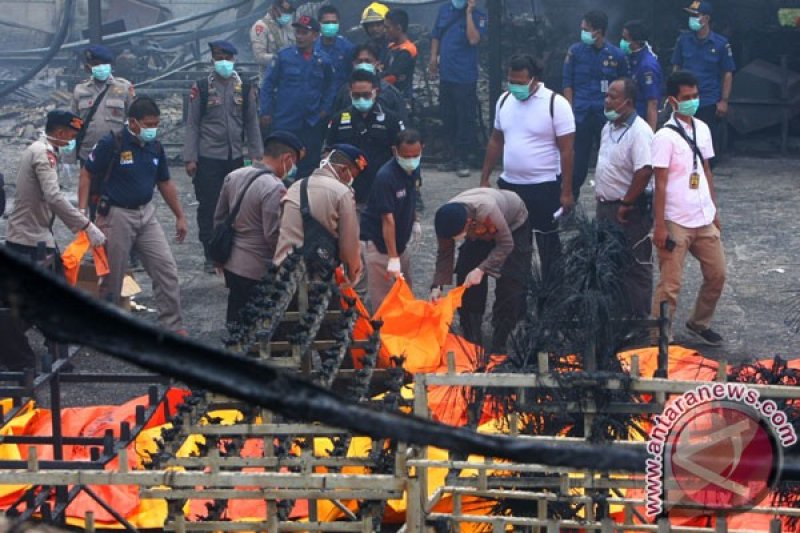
(267, 37)
(589, 71)
(341, 56)
(393, 192)
(38, 198)
(458, 61)
(374, 133)
(708, 59)
(646, 72)
(297, 89)
(110, 114)
(217, 131)
(134, 173)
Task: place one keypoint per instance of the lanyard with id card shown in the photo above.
(694, 178)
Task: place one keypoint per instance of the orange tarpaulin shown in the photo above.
(73, 256)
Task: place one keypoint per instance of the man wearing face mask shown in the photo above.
(273, 32)
(685, 208)
(332, 222)
(708, 56)
(102, 101)
(338, 48)
(534, 132)
(372, 20)
(258, 191)
(389, 224)
(130, 165)
(222, 116)
(589, 68)
(495, 226)
(624, 169)
(368, 126)
(645, 70)
(365, 58)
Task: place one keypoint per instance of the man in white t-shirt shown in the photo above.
(685, 212)
(624, 168)
(534, 131)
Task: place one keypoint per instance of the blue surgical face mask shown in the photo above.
(625, 46)
(148, 134)
(101, 72)
(611, 114)
(409, 164)
(330, 29)
(520, 91)
(68, 148)
(459, 4)
(689, 107)
(695, 24)
(369, 67)
(587, 37)
(363, 104)
(224, 68)
(284, 19)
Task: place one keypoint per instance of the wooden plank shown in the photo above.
(332, 527)
(269, 494)
(260, 430)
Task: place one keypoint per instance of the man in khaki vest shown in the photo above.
(273, 32)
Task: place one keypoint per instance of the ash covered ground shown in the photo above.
(758, 199)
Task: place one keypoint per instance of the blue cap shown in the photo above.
(355, 154)
(289, 139)
(223, 46)
(98, 52)
(699, 7)
(450, 220)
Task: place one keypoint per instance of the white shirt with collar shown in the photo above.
(690, 208)
(624, 150)
(531, 155)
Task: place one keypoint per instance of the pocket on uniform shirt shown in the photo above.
(116, 110)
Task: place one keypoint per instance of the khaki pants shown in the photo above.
(379, 283)
(139, 230)
(705, 245)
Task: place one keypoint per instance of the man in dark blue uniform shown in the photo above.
(708, 56)
(368, 126)
(338, 48)
(645, 70)
(456, 34)
(589, 68)
(298, 92)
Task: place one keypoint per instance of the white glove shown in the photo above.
(474, 278)
(393, 268)
(436, 294)
(416, 235)
(96, 237)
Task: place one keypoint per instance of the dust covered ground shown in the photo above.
(758, 199)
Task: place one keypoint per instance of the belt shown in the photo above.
(602, 201)
(131, 207)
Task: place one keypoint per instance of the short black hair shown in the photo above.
(678, 79)
(398, 17)
(638, 30)
(629, 89)
(369, 47)
(274, 148)
(407, 136)
(359, 75)
(143, 106)
(526, 62)
(327, 10)
(597, 19)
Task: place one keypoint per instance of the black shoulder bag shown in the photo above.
(89, 116)
(320, 248)
(221, 243)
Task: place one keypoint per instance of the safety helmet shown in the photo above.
(375, 12)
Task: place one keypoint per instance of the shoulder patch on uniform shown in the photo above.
(568, 57)
(648, 78)
(52, 158)
(729, 49)
(482, 21)
(194, 93)
(260, 27)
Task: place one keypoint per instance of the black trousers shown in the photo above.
(639, 276)
(312, 137)
(542, 200)
(458, 105)
(510, 291)
(587, 137)
(240, 289)
(708, 114)
(207, 186)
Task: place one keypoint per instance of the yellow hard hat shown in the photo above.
(375, 12)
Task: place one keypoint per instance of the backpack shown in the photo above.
(320, 249)
(247, 85)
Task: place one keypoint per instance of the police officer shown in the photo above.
(333, 210)
(222, 115)
(458, 30)
(589, 68)
(338, 48)
(368, 126)
(372, 20)
(708, 56)
(298, 91)
(495, 225)
(365, 57)
(102, 101)
(273, 32)
(130, 165)
(258, 191)
(645, 70)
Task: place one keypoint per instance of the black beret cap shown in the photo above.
(223, 46)
(100, 53)
(289, 139)
(59, 117)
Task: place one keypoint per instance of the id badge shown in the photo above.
(604, 86)
(694, 181)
